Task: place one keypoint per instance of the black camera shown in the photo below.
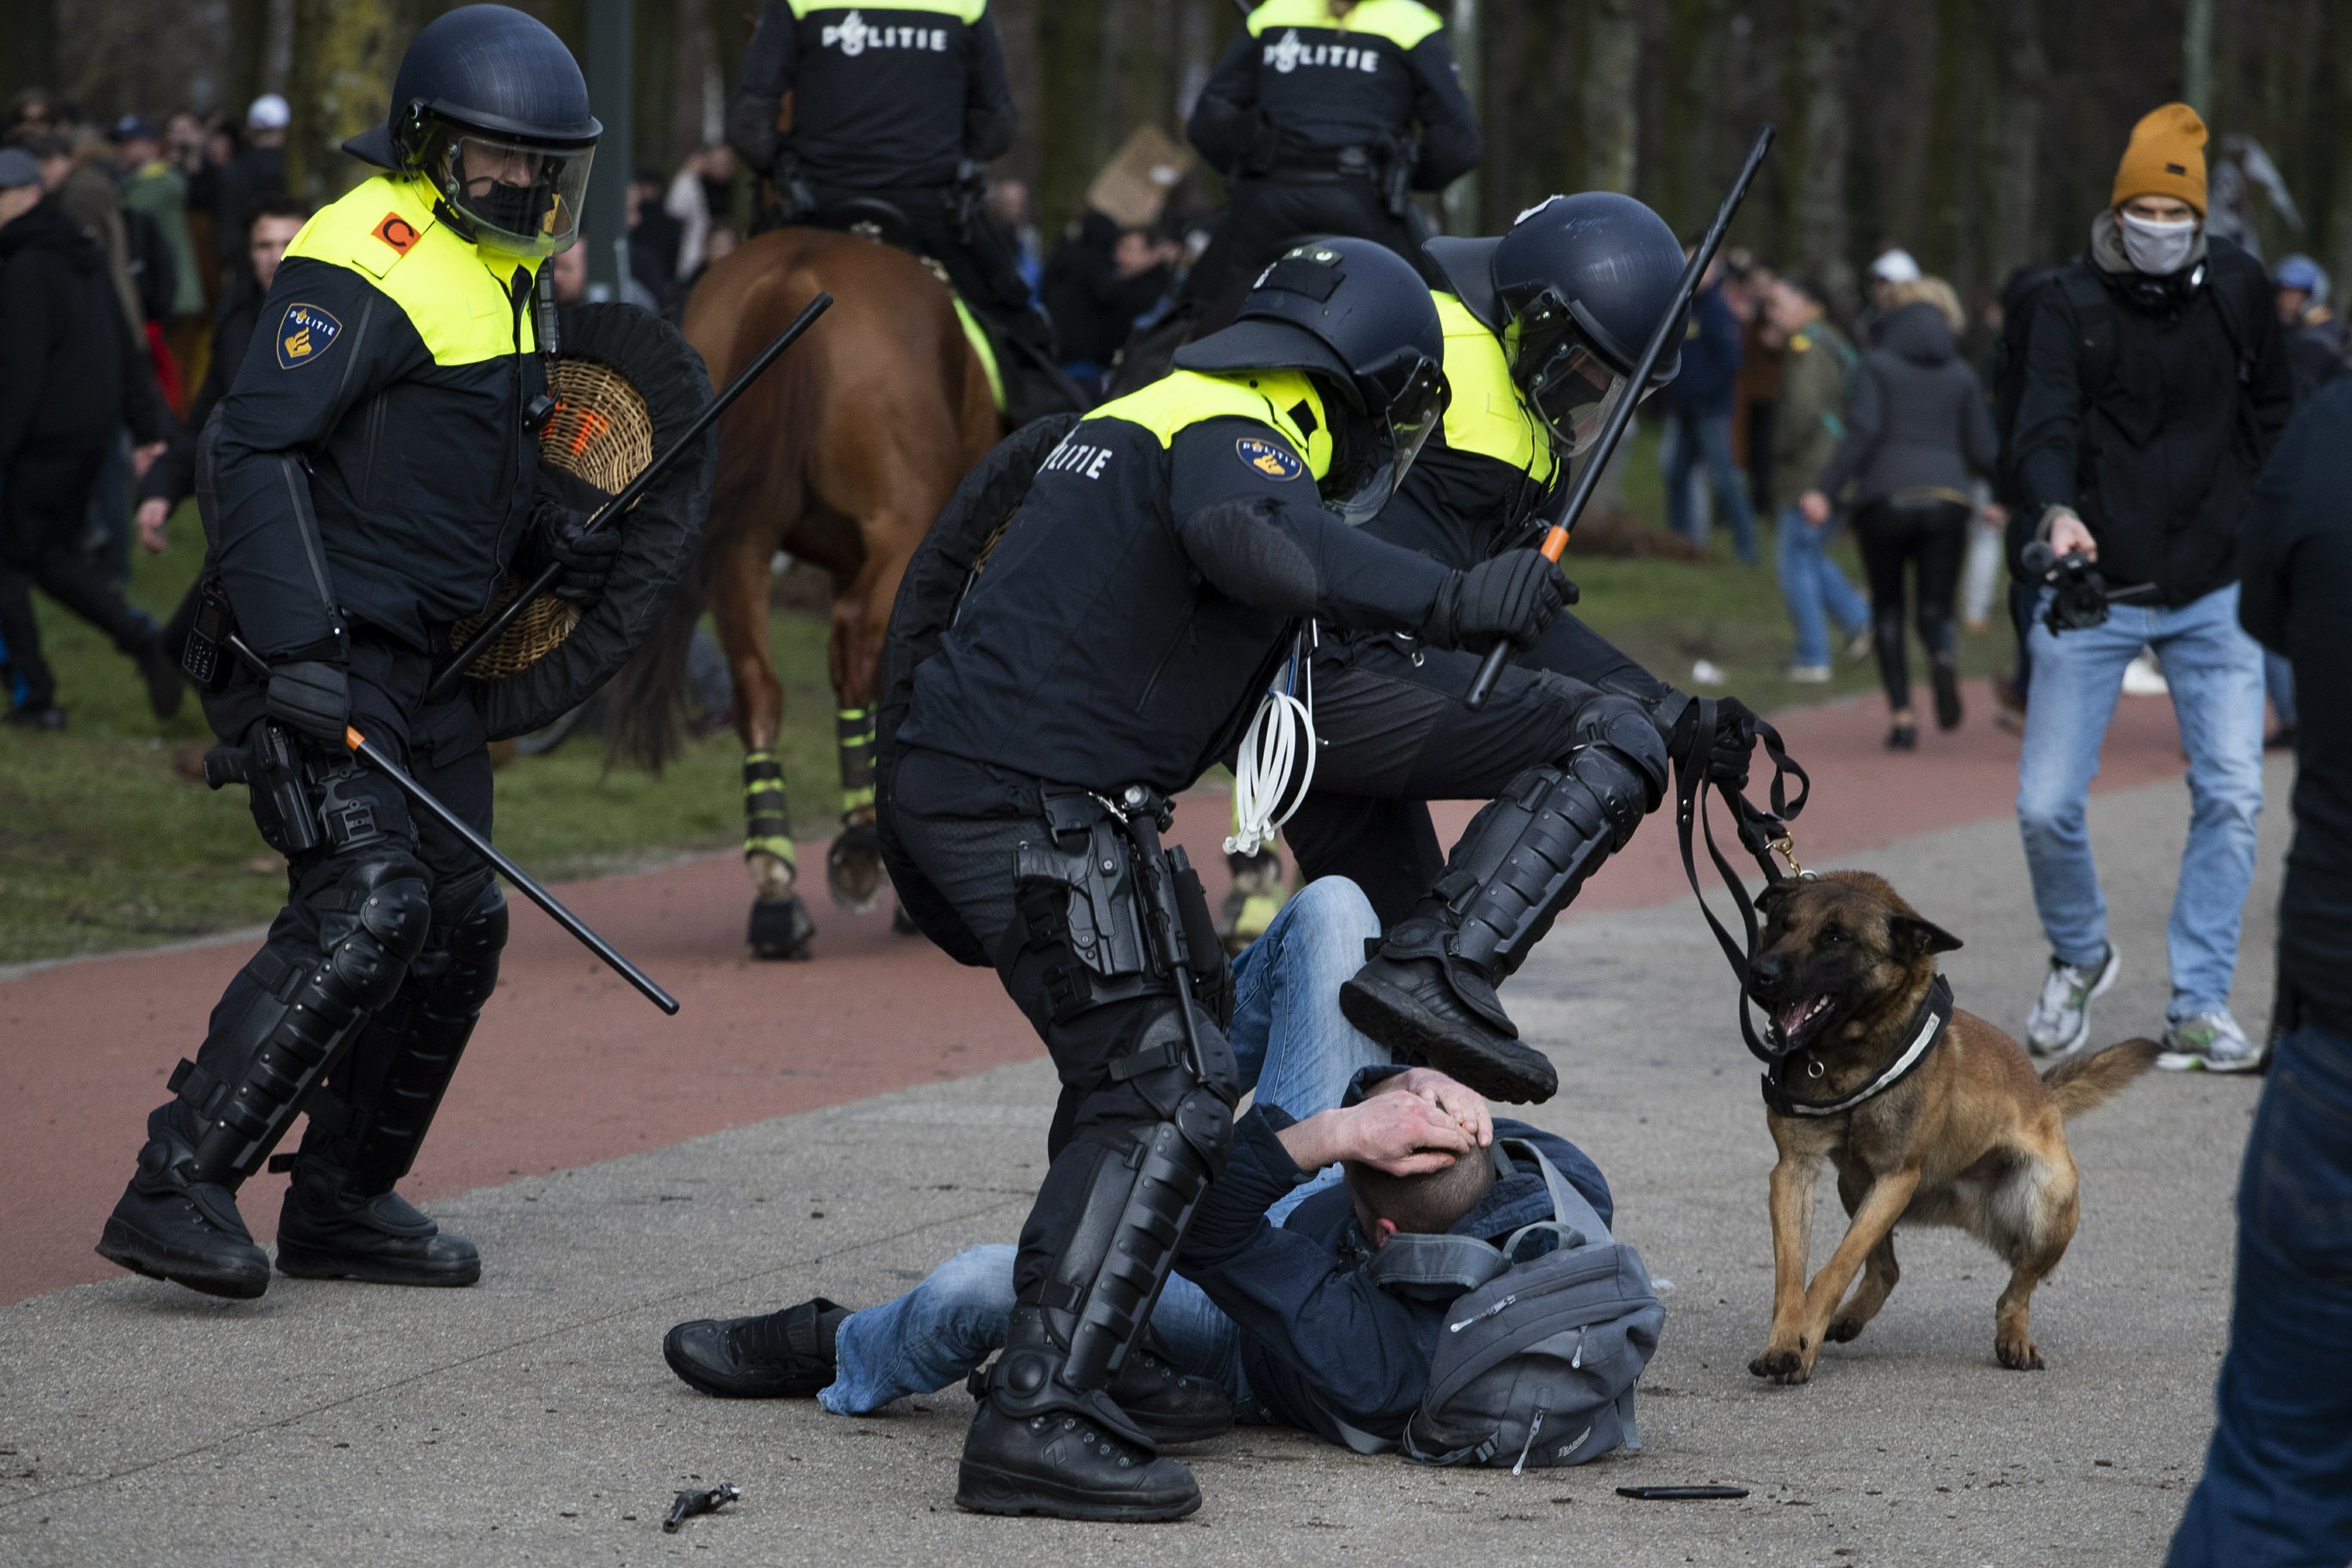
(2079, 596)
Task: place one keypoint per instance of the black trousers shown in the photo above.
(1393, 735)
(981, 263)
(1264, 217)
(441, 745)
(1931, 540)
(44, 516)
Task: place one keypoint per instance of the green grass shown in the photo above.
(102, 844)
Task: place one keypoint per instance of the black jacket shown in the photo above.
(1143, 594)
(880, 98)
(1916, 417)
(1092, 306)
(1296, 85)
(174, 475)
(2297, 598)
(2158, 461)
(71, 372)
(1319, 1340)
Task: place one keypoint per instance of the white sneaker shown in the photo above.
(2208, 1042)
(2061, 1020)
(2144, 675)
(1807, 674)
(1861, 645)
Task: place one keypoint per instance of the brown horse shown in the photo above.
(840, 455)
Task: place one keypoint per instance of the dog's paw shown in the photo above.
(1845, 1327)
(2018, 1355)
(1782, 1366)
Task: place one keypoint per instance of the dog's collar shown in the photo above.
(1925, 1028)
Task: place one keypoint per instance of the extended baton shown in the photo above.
(1574, 500)
(629, 495)
(375, 757)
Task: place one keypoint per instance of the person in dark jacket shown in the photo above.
(2317, 344)
(2156, 382)
(1272, 1303)
(1097, 281)
(2277, 1489)
(1323, 115)
(1917, 430)
(71, 374)
(256, 170)
(1698, 422)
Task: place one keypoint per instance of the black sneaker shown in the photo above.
(1171, 1407)
(381, 1240)
(1946, 681)
(776, 1355)
(1066, 1466)
(189, 1233)
(1408, 1006)
(47, 716)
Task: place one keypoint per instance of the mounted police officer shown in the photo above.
(898, 106)
(1543, 328)
(371, 478)
(1325, 116)
(1111, 646)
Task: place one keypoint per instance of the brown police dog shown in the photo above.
(1972, 1137)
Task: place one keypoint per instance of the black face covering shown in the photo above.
(538, 217)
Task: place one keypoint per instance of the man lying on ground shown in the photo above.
(1272, 1316)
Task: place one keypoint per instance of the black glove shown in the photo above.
(1514, 595)
(1733, 741)
(311, 698)
(586, 557)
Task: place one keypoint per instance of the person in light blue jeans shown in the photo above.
(1698, 441)
(1817, 593)
(2215, 673)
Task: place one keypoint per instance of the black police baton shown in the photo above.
(376, 758)
(629, 495)
(1573, 502)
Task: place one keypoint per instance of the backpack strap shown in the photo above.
(1435, 1268)
(1569, 1209)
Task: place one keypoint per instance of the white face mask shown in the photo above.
(2158, 249)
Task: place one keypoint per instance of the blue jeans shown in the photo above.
(1294, 1051)
(2215, 672)
(1707, 438)
(1815, 589)
(2277, 1489)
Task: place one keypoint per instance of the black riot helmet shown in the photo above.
(491, 109)
(1574, 289)
(1355, 315)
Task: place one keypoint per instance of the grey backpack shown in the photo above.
(1538, 1360)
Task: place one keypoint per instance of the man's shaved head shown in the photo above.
(1427, 1205)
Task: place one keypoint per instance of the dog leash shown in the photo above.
(1763, 834)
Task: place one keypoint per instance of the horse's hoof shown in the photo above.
(904, 923)
(853, 867)
(780, 928)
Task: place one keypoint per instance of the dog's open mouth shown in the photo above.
(1795, 1020)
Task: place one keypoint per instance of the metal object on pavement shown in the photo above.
(1574, 499)
(710, 1500)
(1681, 1494)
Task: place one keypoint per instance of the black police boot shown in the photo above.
(1171, 1407)
(786, 1355)
(1037, 1446)
(1410, 997)
(168, 1226)
(327, 1232)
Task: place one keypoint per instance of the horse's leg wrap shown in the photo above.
(854, 734)
(767, 817)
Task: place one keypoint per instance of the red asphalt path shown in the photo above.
(571, 1067)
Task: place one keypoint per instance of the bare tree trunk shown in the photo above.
(2016, 146)
(1613, 59)
(1824, 44)
(341, 76)
(2335, 89)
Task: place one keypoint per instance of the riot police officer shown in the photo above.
(1107, 649)
(1325, 116)
(900, 106)
(371, 478)
(1543, 327)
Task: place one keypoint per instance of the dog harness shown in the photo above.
(1927, 1027)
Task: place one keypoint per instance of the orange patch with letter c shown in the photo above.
(396, 232)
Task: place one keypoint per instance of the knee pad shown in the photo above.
(459, 967)
(386, 914)
(1626, 740)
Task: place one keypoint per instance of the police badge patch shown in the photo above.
(1272, 458)
(305, 334)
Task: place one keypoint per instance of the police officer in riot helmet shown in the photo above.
(1112, 644)
(371, 478)
(898, 106)
(1325, 116)
(1544, 326)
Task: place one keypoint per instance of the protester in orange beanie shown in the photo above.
(2165, 158)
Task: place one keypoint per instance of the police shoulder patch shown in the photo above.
(1272, 458)
(396, 232)
(305, 335)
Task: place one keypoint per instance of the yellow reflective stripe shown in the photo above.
(984, 349)
(856, 800)
(1186, 397)
(1486, 415)
(964, 11)
(452, 292)
(781, 849)
(1404, 23)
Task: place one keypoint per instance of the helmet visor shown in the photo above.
(1573, 392)
(516, 196)
(1404, 426)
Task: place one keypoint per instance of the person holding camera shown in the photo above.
(2156, 382)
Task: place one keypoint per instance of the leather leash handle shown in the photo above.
(1579, 496)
